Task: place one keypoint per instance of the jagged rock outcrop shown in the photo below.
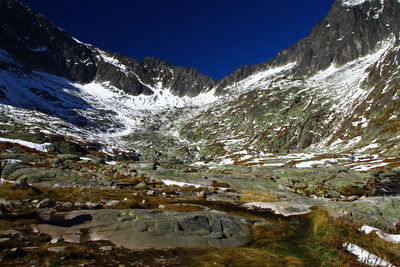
(349, 31)
(41, 46)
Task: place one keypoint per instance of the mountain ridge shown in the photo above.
(333, 40)
(42, 46)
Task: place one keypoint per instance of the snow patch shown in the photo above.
(366, 257)
(387, 237)
(39, 147)
(349, 3)
(181, 184)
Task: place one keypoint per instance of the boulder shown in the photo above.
(280, 208)
(22, 184)
(140, 229)
(50, 177)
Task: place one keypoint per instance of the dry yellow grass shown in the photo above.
(250, 196)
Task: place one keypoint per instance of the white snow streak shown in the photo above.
(366, 257)
(39, 147)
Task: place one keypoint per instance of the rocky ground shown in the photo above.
(91, 209)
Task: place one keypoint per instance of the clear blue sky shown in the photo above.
(213, 36)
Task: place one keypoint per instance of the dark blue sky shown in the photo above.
(213, 36)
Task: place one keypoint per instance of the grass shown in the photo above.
(250, 196)
(316, 240)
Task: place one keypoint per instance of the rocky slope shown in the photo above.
(333, 91)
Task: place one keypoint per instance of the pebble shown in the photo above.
(45, 203)
(112, 203)
(55, 240)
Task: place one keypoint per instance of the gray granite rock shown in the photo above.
(151, 228)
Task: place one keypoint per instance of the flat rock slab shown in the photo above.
(140, 229)
(280, 208)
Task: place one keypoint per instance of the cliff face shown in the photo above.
(350, 30)
(39, 45)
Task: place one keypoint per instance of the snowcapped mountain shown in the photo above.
(55, 83)
(334, 91)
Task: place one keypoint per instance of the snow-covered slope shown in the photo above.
(91, 112)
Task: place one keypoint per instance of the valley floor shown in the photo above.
(295, 210)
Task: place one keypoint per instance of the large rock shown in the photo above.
(380, 212)
(45, 176)
(325, 182)
(280, 208)
(138, 229)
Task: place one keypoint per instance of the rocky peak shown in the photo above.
(39, 45)
(351, 29)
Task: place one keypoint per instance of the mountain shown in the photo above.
(335, 91)
(63, 86)
(332, 92)
(349, 31)
(39, 45)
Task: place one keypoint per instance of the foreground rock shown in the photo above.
(139, 229)
(280, 208)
